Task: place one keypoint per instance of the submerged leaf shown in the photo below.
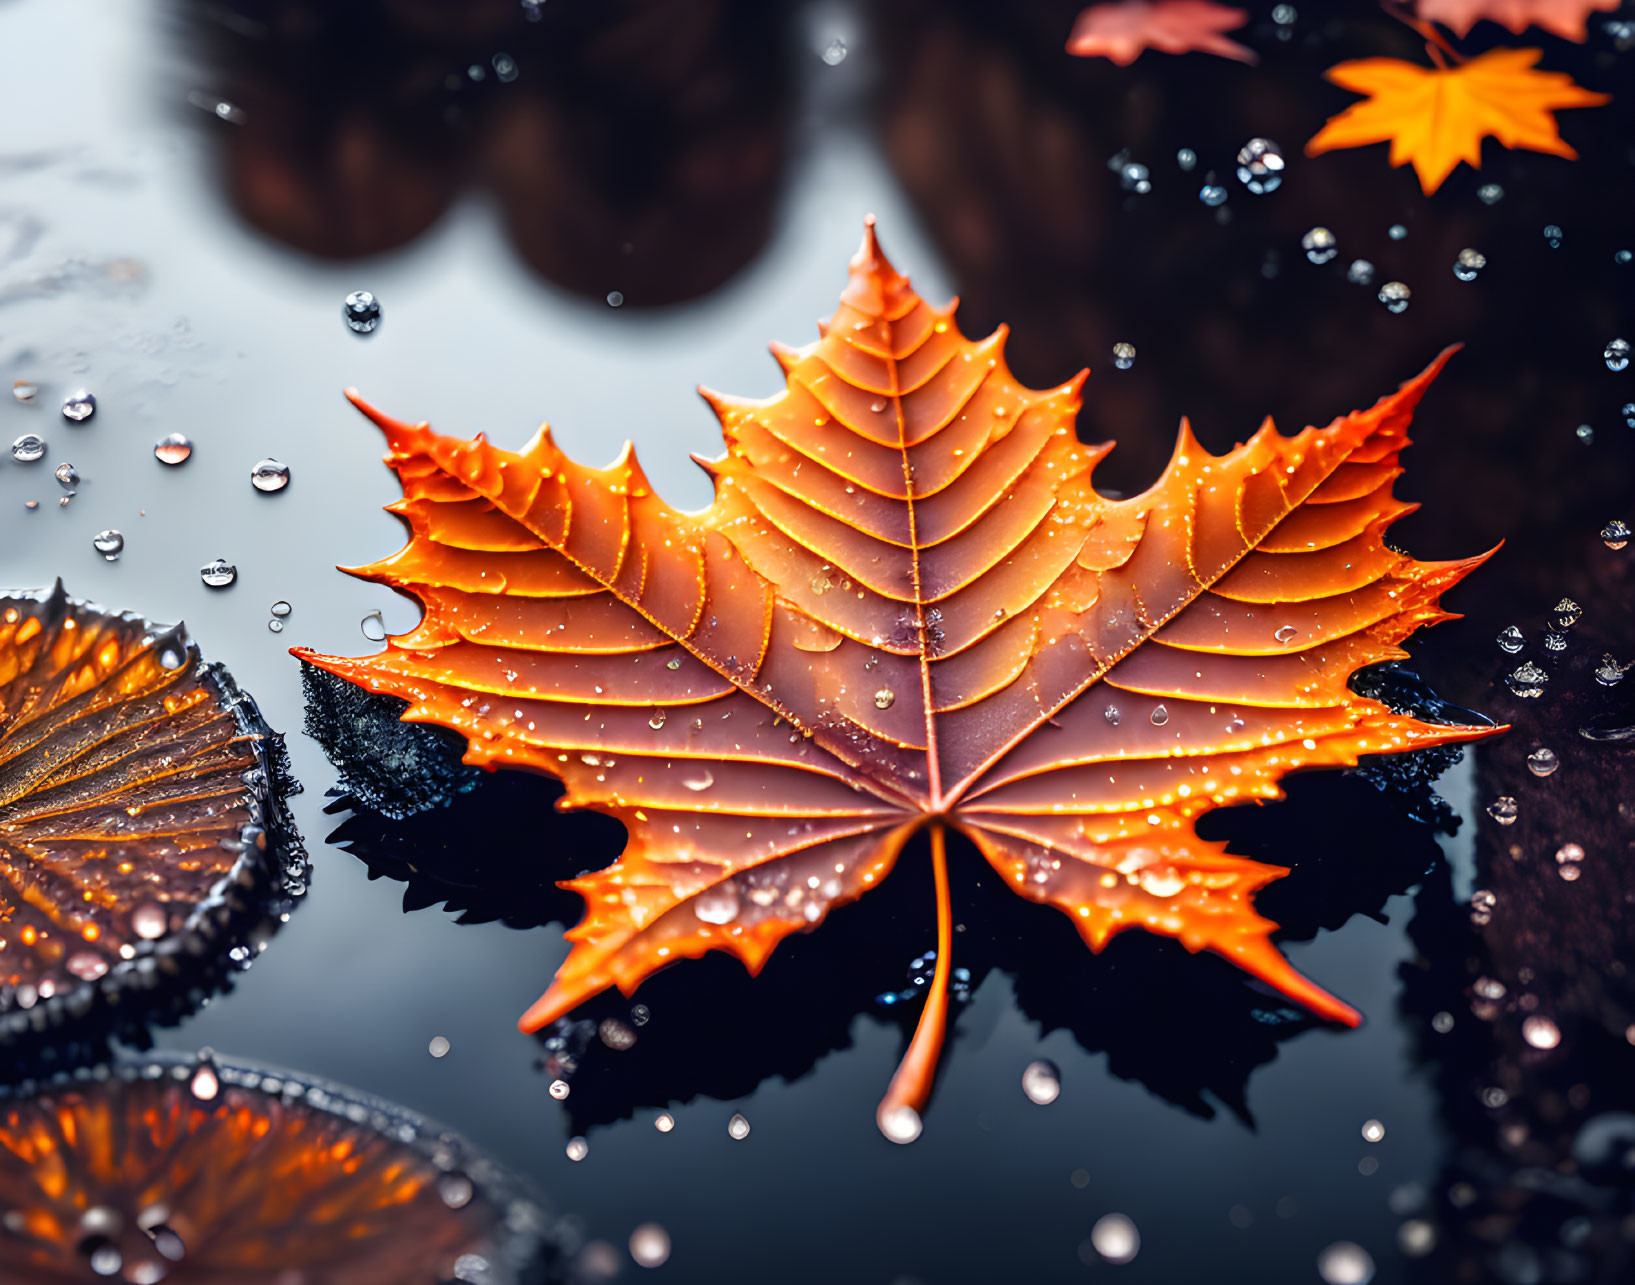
(1122, 31)
(1435, 117)
(908, 609)
(138, 787)
(1566, 18)
(214, 1173)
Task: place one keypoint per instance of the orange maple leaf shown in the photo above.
(1121, 32)
(1436, 117)
(908, 609)
(1566, 18)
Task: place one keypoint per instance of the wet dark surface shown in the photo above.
(188, 266)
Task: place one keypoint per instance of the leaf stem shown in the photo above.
(899, 1112)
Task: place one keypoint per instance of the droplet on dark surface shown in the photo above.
(1260, 166)
(1395, 295)
(1468, 263)
(834, 53)
(1360, 273)
(1320, 245)
(1616, 354)
(1123, 355)
(1511, 639)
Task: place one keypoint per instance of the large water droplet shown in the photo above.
(1345, 1263)
(270, 475)
(1503, 810)
(110, 544)
(577, 1149)
(218, 574)
(1134, 178)
(1360, 273)
(1468, 264)
(173, 449)
(1123, 355)
(439, 1046)
(1115, 1238)
(1395, 295)
(1373, 1131)
(885, 698)
(362, 312)
(1510, 639)
(1540, 1032)
(1186, 158)
(1041, 1082)
(1616, 354)
(737, 1128)
(24, 390)
(1260, 165)
(1542, 761)
(79, 407)
(834, 53)
(1490, 194)
(1320, 245)
(1212, 194)
(205, 1083)
(1615, 535)
(28, 448)
(1527, 680)
(650, 1244)
(1609, 673)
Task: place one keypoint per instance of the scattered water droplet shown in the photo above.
(1159, 716)
(655, 720)
(373, 626)
(1503, 810)
(885, 698)
(1490, 194)
(28, 448)
(79, 407)
(439, 1046)
(205, 1083)
(110, 544)
(737, 1128)
(834, 53)
(1134, 178)
(1284, 633)
(1320, 245)
(665, 1122)
(577, 1149)
(218, 574)
(1566, 613)
(1123, 355)
(615, 299)
(1396, 232)
(1542, 761)
(1345, 1263)
(67, 474)
(362, 312)
(1395, 295)
(455, 1190)
(1623, 257)
(1041, 1082)
(1511, 640)
(24, 390)
(1616, 533)
(270, 476)
(1212, 194)
(1115, 1238)
(174, 448)
(717, 905)
(1552, 235)
(1585, 433)
(275, 626)
(1569, 861)
(558, 1089)
(1260, 165)
(1540, 1032)
(1373, 1131)
(1360, 273)
(1283, 14)
(1186, 158)
(281, 609)
(1468, 264)
(1527, 680)
(701, 781)
(1111, 714)
(1609, 673)
(1616, 354)
(650, 1243)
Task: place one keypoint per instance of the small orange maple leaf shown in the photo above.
(908, 609)
(1121, 32)
(1565, 18)
(1435, 117)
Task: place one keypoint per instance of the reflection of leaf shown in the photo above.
(908, 609)
(1121, 32)
(218, 1173)
(138, 787)
(1566, 18)
(1435, 117)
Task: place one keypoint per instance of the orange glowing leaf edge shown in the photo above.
(1436, 117)
(908, 608)
(1122, 32)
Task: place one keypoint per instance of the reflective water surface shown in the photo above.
(581, 212)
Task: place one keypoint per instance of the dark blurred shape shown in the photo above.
(146, 849)
(208, 1173)
(1523, 1000)
(632, 145)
